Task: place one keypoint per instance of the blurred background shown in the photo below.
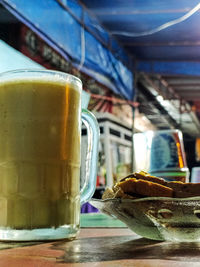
(140, 66)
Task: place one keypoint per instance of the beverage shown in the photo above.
(40, 132)
(39, 153)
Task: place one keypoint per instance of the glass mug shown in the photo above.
(40, 140)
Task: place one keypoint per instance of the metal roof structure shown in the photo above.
(162, 38)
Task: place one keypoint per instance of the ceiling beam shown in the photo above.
(191, 97)
(135, 44)
(164, 67)
(183, 82)
(184, 87)
(174, 77)
(124, 10)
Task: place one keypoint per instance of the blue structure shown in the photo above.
(79, 38)
(161, 36)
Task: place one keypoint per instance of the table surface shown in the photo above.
(102, 242)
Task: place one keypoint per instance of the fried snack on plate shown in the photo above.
(144, 188)
(142, 184)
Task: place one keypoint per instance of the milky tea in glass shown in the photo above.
(39, 155)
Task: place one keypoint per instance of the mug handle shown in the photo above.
(92, 155)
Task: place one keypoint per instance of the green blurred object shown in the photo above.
(100, 220)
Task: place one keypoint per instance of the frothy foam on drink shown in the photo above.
(55, 79)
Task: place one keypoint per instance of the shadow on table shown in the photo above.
(11, 244)
(124, 247)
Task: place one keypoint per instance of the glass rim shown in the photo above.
(46, 71)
